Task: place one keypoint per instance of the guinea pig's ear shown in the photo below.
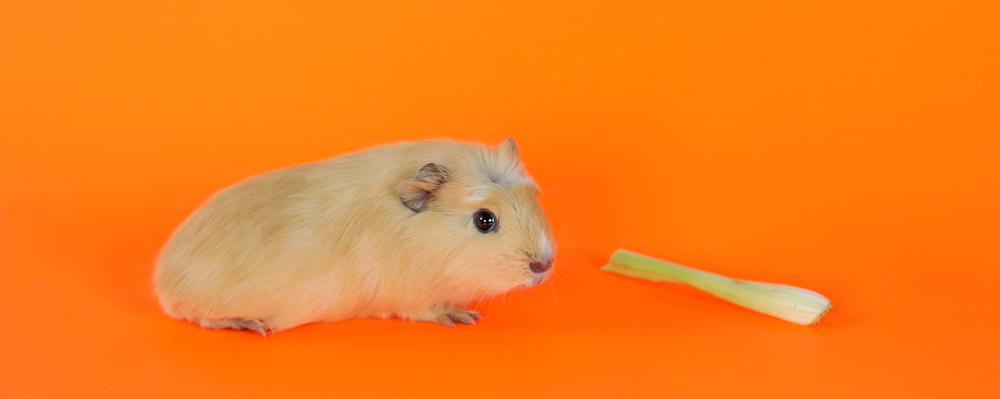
(509, 149)
(416, 192)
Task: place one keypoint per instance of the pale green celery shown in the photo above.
(794, 304)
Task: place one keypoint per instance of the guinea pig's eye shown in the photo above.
(485, 221)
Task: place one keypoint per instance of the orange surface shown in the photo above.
(850, 147)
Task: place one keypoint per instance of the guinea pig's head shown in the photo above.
(481, 210)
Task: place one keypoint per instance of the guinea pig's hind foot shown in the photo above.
(449, 316)
(238, 324)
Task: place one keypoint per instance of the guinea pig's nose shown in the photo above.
(540, 267)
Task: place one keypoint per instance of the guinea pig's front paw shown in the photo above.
(449, 316)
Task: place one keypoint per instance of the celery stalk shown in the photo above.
(794, 304)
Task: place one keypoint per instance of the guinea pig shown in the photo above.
(414, 230)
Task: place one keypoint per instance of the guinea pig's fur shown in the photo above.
(385, 232)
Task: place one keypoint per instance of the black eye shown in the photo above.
(485, 221)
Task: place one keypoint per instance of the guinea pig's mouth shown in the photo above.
(535, 272)
(540, 269)
(531, 280)
(537, 278)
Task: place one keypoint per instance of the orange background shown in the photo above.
(850, 147)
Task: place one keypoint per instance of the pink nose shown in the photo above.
(540, 267)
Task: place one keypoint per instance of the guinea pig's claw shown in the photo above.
(444, 320)
(464, 316)
(254, 325)
(258, 326)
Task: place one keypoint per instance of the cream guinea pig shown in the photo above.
(414, 230)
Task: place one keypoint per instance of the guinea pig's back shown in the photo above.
(252, 241)
(274, 244)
